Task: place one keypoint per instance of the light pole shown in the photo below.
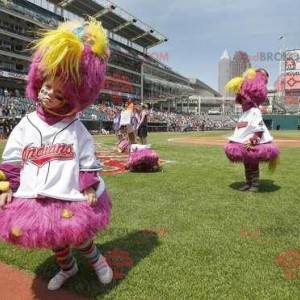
(142, 82)
(199, 105)
(282, 68)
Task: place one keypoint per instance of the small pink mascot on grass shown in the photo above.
(251, 142)
(142, 158)
(52, 196)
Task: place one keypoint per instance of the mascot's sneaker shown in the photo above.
(245, 187)
(253, 188)
(61, 277)
(104, 272)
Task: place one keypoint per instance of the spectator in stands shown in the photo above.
(116, 123)
(127, 123)
(6, 128)
(136, 116)
(5, 111)
(2, 136)
(142, 127)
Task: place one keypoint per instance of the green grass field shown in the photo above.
(207, 240)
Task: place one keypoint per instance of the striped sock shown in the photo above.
(64, 258)
(97, 260)
(252, 173)
(92, 253)
(255, 178)
(248, 176)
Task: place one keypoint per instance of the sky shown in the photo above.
(198, 31)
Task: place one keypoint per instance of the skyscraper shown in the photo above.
(240, 63)
(224, 71)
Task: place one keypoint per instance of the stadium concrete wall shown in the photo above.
(278, 122)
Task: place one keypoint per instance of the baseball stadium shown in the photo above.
(186, 222)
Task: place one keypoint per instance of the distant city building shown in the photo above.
(240, 63)
(224, 71)
(229, 68)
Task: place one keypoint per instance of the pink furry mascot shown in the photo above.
(142, 158)
(251, 142)
(52, 196)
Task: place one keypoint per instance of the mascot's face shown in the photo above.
(51, 94)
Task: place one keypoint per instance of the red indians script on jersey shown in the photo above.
(41, 155)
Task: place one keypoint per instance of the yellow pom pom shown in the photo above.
(66, 213)
(4, 186)
(16, 231)
(234, 85)
(250, 74)
(2, 176)
(61, 49)
(95, 35)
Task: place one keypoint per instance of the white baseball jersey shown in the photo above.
(125, 118)
(249, 123)
(51, 157)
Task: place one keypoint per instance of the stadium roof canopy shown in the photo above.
(115, 20)
(198, 84)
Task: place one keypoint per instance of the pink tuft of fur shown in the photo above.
(255, 89)
(143, 160)
(42, 225)
(237, 152)
(35, 78)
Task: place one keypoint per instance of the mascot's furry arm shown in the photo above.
(9, 176)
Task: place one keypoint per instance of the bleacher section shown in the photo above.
(16, 107)
(19, 106)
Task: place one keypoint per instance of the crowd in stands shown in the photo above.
(10, 92)
(189, 122)
(10, 113)
(13, 106)
(174, 121)
(6, 126)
